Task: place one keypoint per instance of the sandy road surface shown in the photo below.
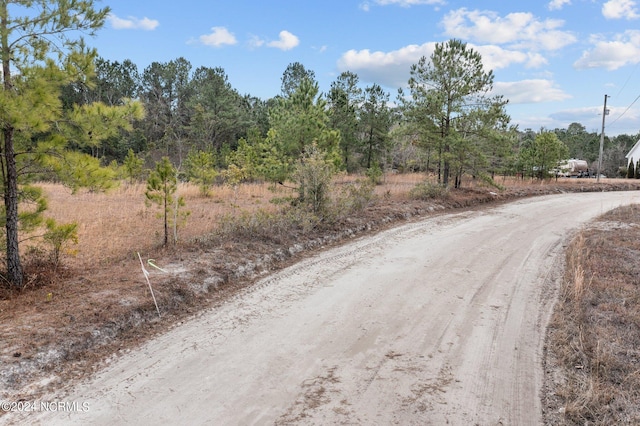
(434, 322)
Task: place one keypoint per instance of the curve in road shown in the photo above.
(440, 321)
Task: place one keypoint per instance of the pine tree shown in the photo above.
(452, 107)
(162, 186)
(40, 54)
(132, 166)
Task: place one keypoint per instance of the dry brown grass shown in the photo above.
(594, 336)
(118, 223)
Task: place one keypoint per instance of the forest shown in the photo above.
(193, 116)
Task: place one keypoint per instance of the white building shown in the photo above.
(634, 154)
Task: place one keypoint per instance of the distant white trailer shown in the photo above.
(574, 168)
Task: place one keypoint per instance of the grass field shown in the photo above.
(118, 223)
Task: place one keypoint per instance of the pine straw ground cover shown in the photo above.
(594, 337)
(71, 319)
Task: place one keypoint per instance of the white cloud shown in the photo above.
(219, 36)
(577, 115)
(557, 4)
(519, 30)
(132, 23)
(620, 119)
(256, 42)
(495, 57)
(535, 122)
(530, 91)
(391, 69)
(624, 116)
(618, 9)
(287, 41)
(366, 5)
(624, 49)
(409, 3)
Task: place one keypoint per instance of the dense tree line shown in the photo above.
(441, 125)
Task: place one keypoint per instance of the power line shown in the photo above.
(628, 78)
(620, 91)
(625, 111)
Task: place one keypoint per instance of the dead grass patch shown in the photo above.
(118, 224)
(594, 335)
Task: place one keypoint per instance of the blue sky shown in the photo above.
(553, 59)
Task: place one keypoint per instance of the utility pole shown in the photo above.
(604, 114)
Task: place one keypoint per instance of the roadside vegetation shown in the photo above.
(594, 336)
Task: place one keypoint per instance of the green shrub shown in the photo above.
(352, 198)
(201, 170)
(267, 225)
(59, 237)
(428, 191)
(132, 166)
(374, 174)
(313, 175)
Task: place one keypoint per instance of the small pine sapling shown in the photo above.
(59, 237)
(162, 186)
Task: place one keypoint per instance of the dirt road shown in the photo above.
(436, 322)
